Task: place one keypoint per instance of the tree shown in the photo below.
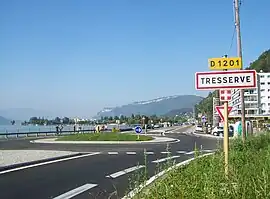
(262, 63)
(122, 118)
(206, 106)
(33, 120)
(57, 120)
(116, 118)
(66, 120)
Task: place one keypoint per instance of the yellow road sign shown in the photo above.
(225, 63)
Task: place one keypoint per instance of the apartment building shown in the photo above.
(265, 92)
(257, 100)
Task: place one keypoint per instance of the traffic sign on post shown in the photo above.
(225, 95)
(221, 112)
(138, 129)
(225, 63)
(226, 79)
(204, 119)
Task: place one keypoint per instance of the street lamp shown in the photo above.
(144, 125)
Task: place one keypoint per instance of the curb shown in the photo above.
(170, 130)
(135, 191)
(14, 166)
(209, 136)
(154, 141)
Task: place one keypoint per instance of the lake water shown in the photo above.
(33, 128)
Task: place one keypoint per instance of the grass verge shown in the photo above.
(105, 137)
(249, 175)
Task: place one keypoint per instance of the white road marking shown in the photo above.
(125, 171)
(165, 152)
(182, 152)
(113, 153)
(131, 153)
(164, 159)
(75, 192)
(208, 150)
(149, 153)
(49, 162)
(191, 152)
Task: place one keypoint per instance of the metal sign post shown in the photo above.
(226, 138)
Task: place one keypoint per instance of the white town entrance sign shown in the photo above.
(226, 79)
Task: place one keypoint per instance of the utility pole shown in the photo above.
(239, 53)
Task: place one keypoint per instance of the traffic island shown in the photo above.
(106, 138)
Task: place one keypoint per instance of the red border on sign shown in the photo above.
(253, 72)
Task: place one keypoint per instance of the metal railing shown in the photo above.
(52, 133)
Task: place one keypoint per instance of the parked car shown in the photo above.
(156, 126)
(199, 128)
(219, 131)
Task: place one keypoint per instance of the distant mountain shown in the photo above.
(181, 111)
(23, 113)
(4, 121)
(159, 106)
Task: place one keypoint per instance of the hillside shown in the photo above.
(262, 63)
(181, 111)
(159, 106)
(4, 121)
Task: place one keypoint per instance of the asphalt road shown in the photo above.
(99, 176)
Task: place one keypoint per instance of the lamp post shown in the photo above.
(144, 125)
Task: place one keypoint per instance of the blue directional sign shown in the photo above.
(138, 129)
(204, 119)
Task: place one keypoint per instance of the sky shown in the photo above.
(74, 57)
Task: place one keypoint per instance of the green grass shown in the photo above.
(106, 136)
(249, 175)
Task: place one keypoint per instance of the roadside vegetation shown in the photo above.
(249, 175)
(106, 136)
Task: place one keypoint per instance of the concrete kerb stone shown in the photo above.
(135, 191)
(209, 136)
(155, 140)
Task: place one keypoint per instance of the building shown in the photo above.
(265, 92)
(257, 101)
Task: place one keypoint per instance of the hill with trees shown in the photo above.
(206, 105)
(262, 63)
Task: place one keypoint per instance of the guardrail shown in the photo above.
(52, 133)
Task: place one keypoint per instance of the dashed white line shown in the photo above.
(125, 171)
(149, 153)
(191, 152)
(112, 153)
(165, 152)
(164, 159)
(181, 152)
(49, 162)
(75, 192)
(131, 153)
